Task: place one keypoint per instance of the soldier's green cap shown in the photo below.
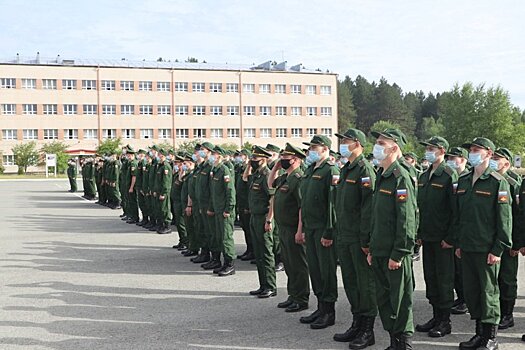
(219, 150)
(293, 151)
(273, 148)
(409, 155)
(436, 141)
(188, 157)
(457, 152)
(179, 158)
(246, 152)
(163, 151)
(505, 153)
(259, 151)
(237, 152)
(208, 145)
(155, 148)
(335, 154)
(197, 146)
(130, 151)
(320, 140)
(369, 156)
(395, 135)
(353, 134)
(482, 142)
(142, 151)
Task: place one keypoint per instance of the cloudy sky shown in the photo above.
(419, 44)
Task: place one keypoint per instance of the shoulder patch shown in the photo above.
(503, 197)
(335, 179)
(497, 176)
(365, 181)
(402, 195)
(226, 178)
(166, 171)
(299, 176)
(511, 181)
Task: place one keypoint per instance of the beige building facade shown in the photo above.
(83, 102)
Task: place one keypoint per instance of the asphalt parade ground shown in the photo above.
(73, 276)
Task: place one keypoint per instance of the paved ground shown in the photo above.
(73, 276)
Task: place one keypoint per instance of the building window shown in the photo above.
(9, 108)
(216, 133)
(249, 133)
(9, 134)
(280, 88)
(50, 109)
(70, 134)
(311, 89)
(29, 84)
(89, 84)
(295, 89)
(182, 133)
(266, 132)
(8, 83)
(127, 109)
(249, 110)
(232, 87)
(216, 110)
(90, 134)
(89, 109)
(181, 110)
(264, 88)
(280, 110)
(233, 110)
(49, 84)
(109, 109)
(164, 134)
(326, 90)
(296, 111)
(69, 84)
(280, 132)
(127, 85)
(199, 110)
(181, 86)
(30, 134)
(311, 132)
(146, 109)
(248, 88)
(128, 133)
(311, 111)
(108, 85)
(164, 109)
(145, 85)
(297, 132)
(29, 109)
(326, 111)
(109, 133)
(265, 110)
(163, 86)
(8, 159)
(215, 87)
(70, 109)
(199, 133)
(197, 87)
(50, 134)
(233, 133)
(326, 132)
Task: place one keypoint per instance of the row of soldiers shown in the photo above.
(312, 211)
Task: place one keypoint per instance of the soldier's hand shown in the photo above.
(393, 265)
(493, 259)
(161, 198)
(209, 213)
(522, 251)
(445, 245)
(131, 190)
(514, 253)
(369, 259)
(365, 250)
(267, 227)
(226, 214)
(326, 242)
(299, 238)
(188, 211)
(458, 253)
(419, 242)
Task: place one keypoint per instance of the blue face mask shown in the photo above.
(452, 164)
(475, 159)
(176, 168)
(375, 162)
(379, 152)
(194, 157)
(494, 164)
(343, 160)
(211, 159)
(202, 154)
(314, 156)
(307, 161)
(430, 156)
(238, 160)
(345, 151)
(184, 167)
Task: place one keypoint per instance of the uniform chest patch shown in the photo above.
(503, 197)
(437, 185)
(483, 193)
(317, 177)
(385, 191)
(350, 181)
(365, 181)
(402, 195)
(284, 188)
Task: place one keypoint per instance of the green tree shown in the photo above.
(230, 146)
(2, 167)
(345, 109)
(109, 146)
(59, 148)
(25, 155)
(192, 60)
(363, 97)
(432, 127)
(187, 146)
(389, 106)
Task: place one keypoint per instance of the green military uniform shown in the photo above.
(243, 211)
(154, 199)
(200, 236)
(318, 191)
(132, 199)
(164, 181)
(88, 173)
(393, 237)
(103, 195)
(124, 183)
(484, 225)
(72, 176)
(192, 242)
(276, 235)
(112, 178)
(202, 192)
(139, 184)
(354, 216)
(99, 175)
(286, 208)
(146, 192)
(177, 207)
(436, 202)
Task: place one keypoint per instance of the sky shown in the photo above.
(418, 44)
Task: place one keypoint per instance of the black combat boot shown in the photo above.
(327, 317)
(365, 337)
(228, 269)
(507, 317)
(164, 229)
(474, 342)
(214, 263)
(426, 327)
(393, 342)
(489, 341)
(205, 257)
(443, 326)
(313, 316)
(404, 342)
(351, 332)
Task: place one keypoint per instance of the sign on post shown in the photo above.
(517, 161)
(51, 161)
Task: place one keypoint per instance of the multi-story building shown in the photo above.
(82, 102)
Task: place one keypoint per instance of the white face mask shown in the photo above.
(379, 152)
(452, 164)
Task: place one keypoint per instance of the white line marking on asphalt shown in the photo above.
(242, 347)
